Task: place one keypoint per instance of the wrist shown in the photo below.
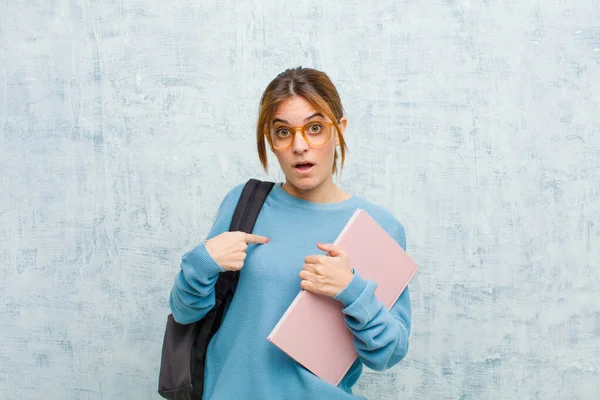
(349, 277)
(208, 246)
(352, 291)
(200, 263)
(345, 281)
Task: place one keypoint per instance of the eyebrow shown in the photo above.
(305, 119)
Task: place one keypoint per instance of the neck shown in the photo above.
(326, 192)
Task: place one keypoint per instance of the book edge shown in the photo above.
(284, 316)
(348, 225)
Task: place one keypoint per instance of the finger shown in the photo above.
(306, 276)
(316, 270)
(310, 268)
(251, 238)
(331, 249)
(312, 259)
(237, 265)
(308, 285)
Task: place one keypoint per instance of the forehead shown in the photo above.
(295, 108)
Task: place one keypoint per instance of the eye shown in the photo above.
(315, 128)
(283, 132)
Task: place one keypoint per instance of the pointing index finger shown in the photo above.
(251, 238)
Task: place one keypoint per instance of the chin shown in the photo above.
(305, 183)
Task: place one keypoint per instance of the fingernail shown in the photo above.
(267, 240)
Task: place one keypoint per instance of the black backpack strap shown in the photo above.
(245, 199)
(251, 201)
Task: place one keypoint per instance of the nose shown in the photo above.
(299, 145)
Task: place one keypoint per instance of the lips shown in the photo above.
(303, 166)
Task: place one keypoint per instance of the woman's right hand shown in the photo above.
(229, 248)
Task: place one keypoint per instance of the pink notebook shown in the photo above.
(312, 330)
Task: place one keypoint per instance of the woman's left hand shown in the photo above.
(326, 274)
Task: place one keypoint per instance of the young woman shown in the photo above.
(302, 122)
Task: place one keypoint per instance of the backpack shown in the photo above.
(184, 347)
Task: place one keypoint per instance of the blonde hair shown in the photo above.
(311, 84)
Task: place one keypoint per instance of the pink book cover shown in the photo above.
(312, 330)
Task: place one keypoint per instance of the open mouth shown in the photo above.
(303, 167)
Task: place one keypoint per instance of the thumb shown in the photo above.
(331, 249)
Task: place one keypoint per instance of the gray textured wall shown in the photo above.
(477, 123)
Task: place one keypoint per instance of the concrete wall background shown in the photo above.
(122, 124)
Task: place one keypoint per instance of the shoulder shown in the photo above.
(234, 194)
(386, 218)
(229, 201)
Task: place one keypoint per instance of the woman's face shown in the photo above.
(305, 166)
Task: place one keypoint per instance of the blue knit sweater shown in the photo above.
(241, 363)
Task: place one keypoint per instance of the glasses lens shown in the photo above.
(281, 136)
(317, 133)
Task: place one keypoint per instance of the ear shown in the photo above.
(342, 124)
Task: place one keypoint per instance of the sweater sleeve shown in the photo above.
(192, 295)
(380, 336)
